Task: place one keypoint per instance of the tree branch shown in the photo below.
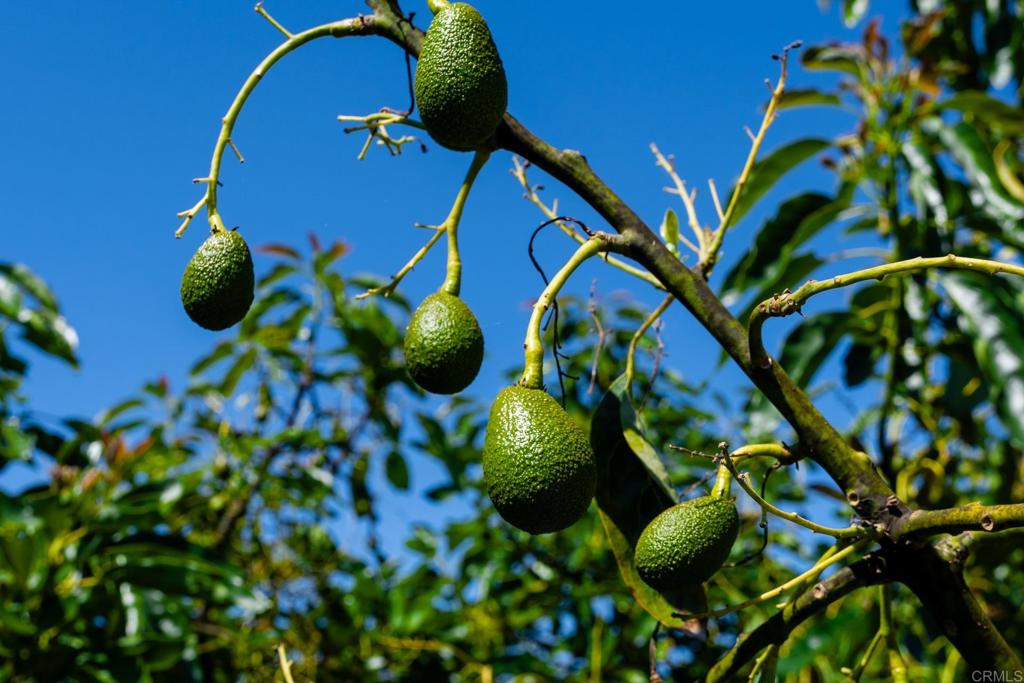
(869, 495)
(936, 578)
(955, 520)
(866, 572)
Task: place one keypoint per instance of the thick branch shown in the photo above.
(868, 571)
(870, 496)
(959, 519)
(935, 575)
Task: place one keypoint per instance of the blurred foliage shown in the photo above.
(189, 529)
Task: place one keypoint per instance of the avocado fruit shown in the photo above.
(218, 283)
(460, 87)
(687, 543)
(539, 467)
(444, 345)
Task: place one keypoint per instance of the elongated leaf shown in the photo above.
(924, 182)
(670, 231)
(397, 471)
(812, 342)
(241, 365)
(995, 113)
(30, 283)
(775, 241)
(220, 352)
(768, 170)
(632, 488)
(50, 333)
(967, 147)
(807, 97)
(853, 11)
(844, 58)
(990, 317)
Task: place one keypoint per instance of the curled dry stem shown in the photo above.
(518, 171)
(533, 373)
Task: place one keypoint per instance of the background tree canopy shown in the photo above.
(191, 528)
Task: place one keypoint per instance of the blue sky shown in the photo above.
(113, 107)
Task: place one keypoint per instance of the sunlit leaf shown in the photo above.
(767, 171)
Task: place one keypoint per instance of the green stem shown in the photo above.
(533, 374)
(336, 29)
(779, 590)
(437, 5)
(453, 276)
(897, 665)
(787, 304)
(710, 257)
(848, 532)
(723, 482)
(631, 353)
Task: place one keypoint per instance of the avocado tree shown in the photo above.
(137, 564)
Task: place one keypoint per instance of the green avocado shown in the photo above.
(217, 287)
(687, 543)
(443, 344)
(460, 85)
(538, 464)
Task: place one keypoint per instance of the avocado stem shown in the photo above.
(723, 482)
(453, 276)
(437, 5)
(853, 531)
(533, 374)
(631, 354)
(337, 29)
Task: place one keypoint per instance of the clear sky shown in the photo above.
(112, 107)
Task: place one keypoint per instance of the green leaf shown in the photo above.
(50, 333)
(31, 283)
(994, 113)
(923, 181)
(278, 272)
(771, 168)
(10, 298)
(990, 317)
(807, 97)
(236, 371)
(844, 58)
(853, 11)
(220, 352)
(670, 231)
(812, 342)
(968, 149)
(108, 415)
(397, 471)
(632, 488)
(797, 220)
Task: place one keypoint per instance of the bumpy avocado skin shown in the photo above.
(538, 464)
(218, 283)
(460, 86)
(444, 345)
(687, 543)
